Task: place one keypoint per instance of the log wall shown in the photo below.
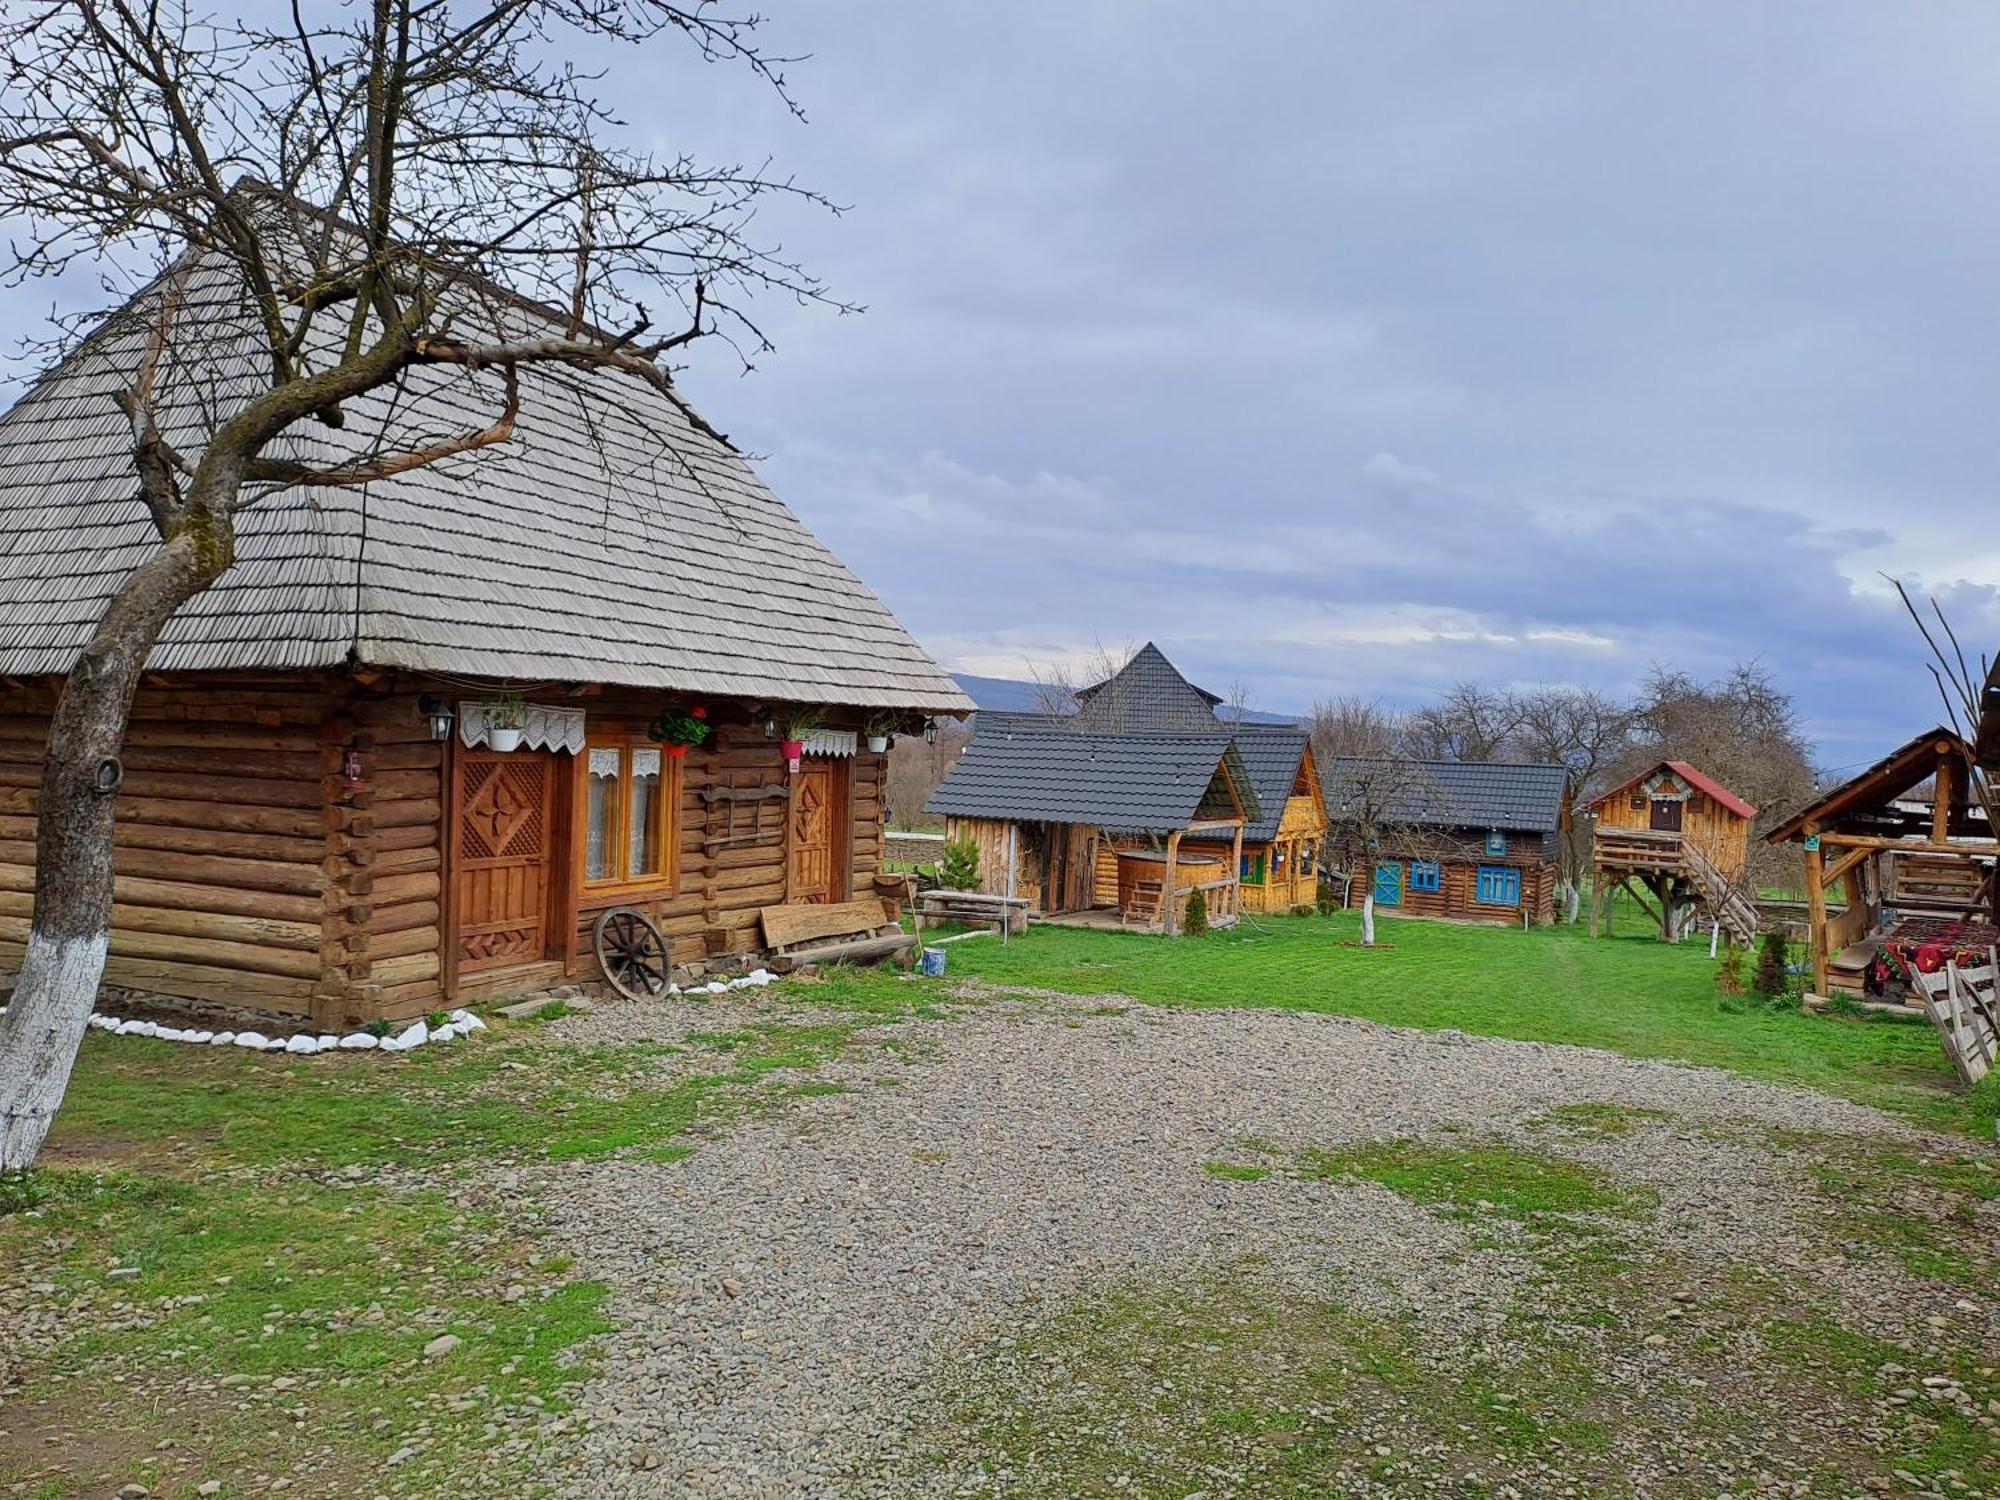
(282, 845)
(222, 853)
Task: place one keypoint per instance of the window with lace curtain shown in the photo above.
(627, 813)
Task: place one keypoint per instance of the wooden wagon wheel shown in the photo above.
(631, 952)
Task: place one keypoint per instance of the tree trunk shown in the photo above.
(70, 930)
(1368, 919)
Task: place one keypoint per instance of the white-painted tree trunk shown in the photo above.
(1368, 919)
(39, 1035)
(1572, 902)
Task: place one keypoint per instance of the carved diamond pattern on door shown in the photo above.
(502, 875)
(818, 811)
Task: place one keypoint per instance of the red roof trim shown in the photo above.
(1701, 781)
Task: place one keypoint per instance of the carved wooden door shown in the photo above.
(501, 857)
(819, 831)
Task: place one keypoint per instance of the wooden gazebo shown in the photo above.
(1911, 849)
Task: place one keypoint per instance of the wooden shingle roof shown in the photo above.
(612, 539)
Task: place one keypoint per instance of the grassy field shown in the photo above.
(1628, 994)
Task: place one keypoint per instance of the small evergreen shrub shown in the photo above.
(1303, 909)
(1771, 956)
(1729, 971)
(961, 866)
(1329, 903)
(1194, 922)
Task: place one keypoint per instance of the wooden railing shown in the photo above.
(1964, 1005)
(1147, 908)
(1637, 849)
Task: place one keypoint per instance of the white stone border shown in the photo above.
(459, 1023)
(756, 979)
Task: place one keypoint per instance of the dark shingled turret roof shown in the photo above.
(1452, 793)
(1148, 692)
(1031, 767)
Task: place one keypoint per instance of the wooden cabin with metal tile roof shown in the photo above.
(429, 737)
(1464, 841)
(1099, 829)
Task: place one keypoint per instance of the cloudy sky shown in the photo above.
(1362, 348)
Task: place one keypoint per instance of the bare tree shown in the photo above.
(365, 197)
(1060, 686)
(1970, 692)
(1585, 732)
(1470, 722)
(1381, 808)
(1741, 729)
(918, 767)
(1359, 727)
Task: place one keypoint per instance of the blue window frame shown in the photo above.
(1252, 872)
(1496, 842)
(1498, 885)
(1389, 883)
(1425, 875)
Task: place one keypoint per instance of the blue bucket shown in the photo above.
(931, 963)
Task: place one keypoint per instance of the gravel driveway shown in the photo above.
(786, 1293)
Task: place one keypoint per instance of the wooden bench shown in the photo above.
(944, 905)
(833, 932)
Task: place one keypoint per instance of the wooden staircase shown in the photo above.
(1730, 903)
(1664, 862)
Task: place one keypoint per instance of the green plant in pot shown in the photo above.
(506, 719)
(880, 731)
(678, 728)
(800, 727)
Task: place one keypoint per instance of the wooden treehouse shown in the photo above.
(1909, 847)
(1678, 842)
(1099, 829)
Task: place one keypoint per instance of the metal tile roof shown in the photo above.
(1453, 793)
(1148, 692)
(611, 539)
(1271, 754)
(1033, 767)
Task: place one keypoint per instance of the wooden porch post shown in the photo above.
(1596, 896)
(1941, 802)
(1236, 870)
(1816, 908)
(1170, 916)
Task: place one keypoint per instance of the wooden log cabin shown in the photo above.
(317, 821)
(1465, 841)
(1908, 846)
(1097, 828)
(1279, 862)
(1676, 835)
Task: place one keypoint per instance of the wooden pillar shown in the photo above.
(1596, 897)
(1816, 910)
(1170, 914)
(1236, 871)
(1941, 801)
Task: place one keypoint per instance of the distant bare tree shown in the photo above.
(1057, 684)
(1352, 726)
(1741, 729)
(1585, 732)
(918, 768)
(1970, 692)
(1470, 722)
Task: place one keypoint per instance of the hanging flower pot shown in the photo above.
(498, 738)
(877, 743)
(794, 751)
(676, 752)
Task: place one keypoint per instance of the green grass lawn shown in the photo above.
(1628, 993)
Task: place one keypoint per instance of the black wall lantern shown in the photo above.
(439, 713)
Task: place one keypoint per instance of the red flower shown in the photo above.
(698, 712)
